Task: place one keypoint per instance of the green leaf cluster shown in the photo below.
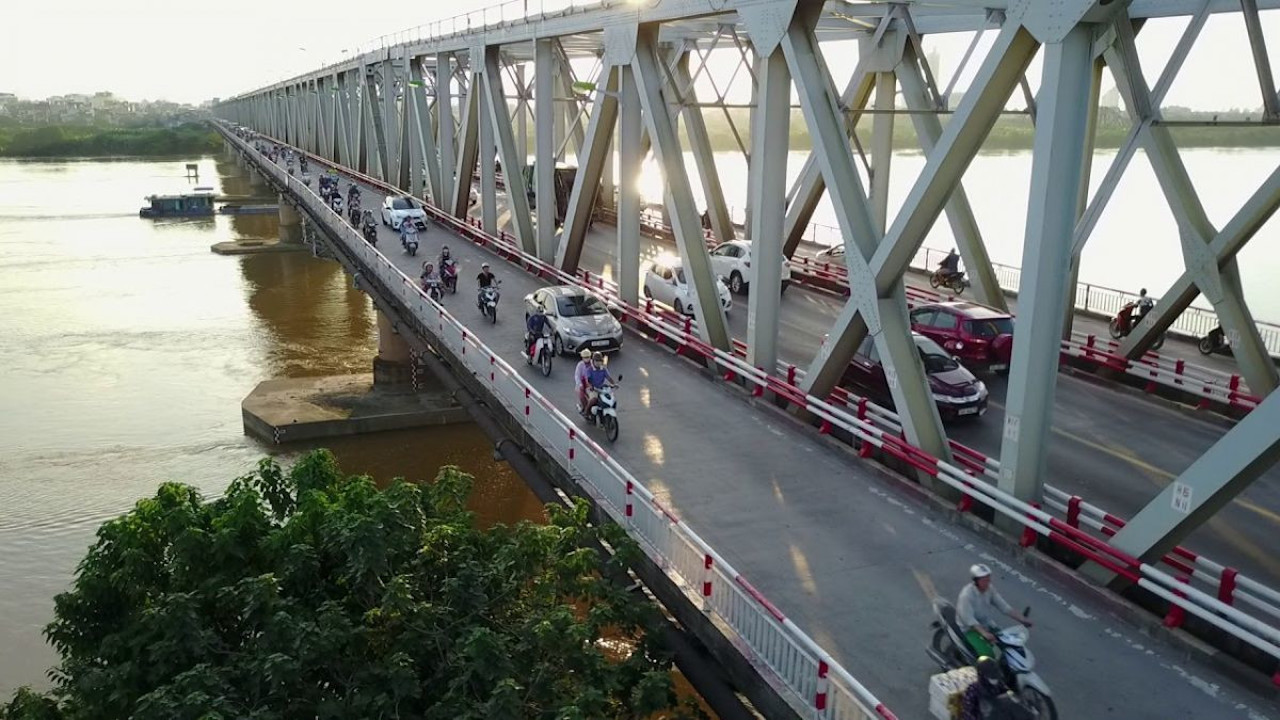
(309, 594)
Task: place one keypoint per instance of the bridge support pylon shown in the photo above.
(290, 221)
(393, 366)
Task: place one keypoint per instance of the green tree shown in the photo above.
(308, 594)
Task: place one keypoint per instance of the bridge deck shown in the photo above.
(833, 543)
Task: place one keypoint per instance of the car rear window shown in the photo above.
(989, 327)
(935, 359)
(402, 204)
(579, 305)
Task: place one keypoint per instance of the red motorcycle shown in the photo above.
(449, 274)
(1124, 322)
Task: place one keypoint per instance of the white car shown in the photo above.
(664, 281)
(398, 207)
(732, 261)
(833, 255)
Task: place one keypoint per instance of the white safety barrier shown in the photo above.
(808, 677)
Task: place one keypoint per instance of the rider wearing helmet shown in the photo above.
(950, 265)
(485, 278)
(535, 326)
(976, 610)
(580, 378)
(429, 276)
(597, 377)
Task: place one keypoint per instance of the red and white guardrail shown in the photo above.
(810, 679)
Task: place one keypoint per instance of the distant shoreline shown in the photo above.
(66, 142)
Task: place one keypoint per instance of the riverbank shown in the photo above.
(49, 141)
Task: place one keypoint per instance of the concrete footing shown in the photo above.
(255, 247)
(279, 411)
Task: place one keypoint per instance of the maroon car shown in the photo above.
(956, 391)
(980, 336)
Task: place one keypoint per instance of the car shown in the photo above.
(956, 391)
(398, 207)
(577, 319)
(664, 281)
(833, 255)
(732, 261)
(981, 336)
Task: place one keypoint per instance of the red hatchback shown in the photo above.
(982, 337)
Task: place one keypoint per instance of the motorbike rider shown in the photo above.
(950, 265)
(483, 280)
(597, 377)
(580, 378)
(408, 231)
(446, 259)
(976, 610)
(535, 326)
(429, 276)
(1144, 305)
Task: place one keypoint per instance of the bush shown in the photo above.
(308, 594)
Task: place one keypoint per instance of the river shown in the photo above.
(128, 348)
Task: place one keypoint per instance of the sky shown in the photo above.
(154, 49)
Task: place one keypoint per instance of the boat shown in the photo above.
(199, 204)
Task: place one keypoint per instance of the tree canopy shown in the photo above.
(308, 594)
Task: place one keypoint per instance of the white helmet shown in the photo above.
(979, 571)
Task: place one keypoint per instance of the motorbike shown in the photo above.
(409, 241)
(336, 203)
(433, 290)
(1124, 323)
(488, 301)
(953, 281)
(353, 212)
(542, 353)
(1214, 342)
(951, 651)
(449, 273)
(605, 412)
(370, 231)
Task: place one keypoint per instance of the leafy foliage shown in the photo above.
(96, 141)
(308, 594)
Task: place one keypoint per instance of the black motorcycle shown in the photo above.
(1214, 342)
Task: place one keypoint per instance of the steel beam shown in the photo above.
(488, 154)
(1216, 478)
(522, 116)
(964, 225)
(1082, 196)
(500, 115)
(1219, 282)
(1261, 61)
(382, 89)
(1056, 168)
(809, 185)
(424, 137)
(703, 284)
(884, 314)
(544, 149)
(630, 157)
(695, 126)
(770, 133)
(960, 141)
(446, 127)
(882, 149)
(752, 166)
(469, 142)
(586, 185)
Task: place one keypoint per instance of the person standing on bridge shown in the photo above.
(580, 378)
(976, 611)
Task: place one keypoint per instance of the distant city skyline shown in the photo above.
(157, 54)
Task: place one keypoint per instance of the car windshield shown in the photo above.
(401, 204)
(990, 327)
(935, 359)
(579, 305)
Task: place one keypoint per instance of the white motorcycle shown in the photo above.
(542, 353)
(605, 412)
(409, 239)
(433, 290)
(951, 651)
(487, 301)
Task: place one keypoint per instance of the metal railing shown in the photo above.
(813, 682)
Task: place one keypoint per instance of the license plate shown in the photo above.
(967, 411)
(599, 343)
(1000, 366)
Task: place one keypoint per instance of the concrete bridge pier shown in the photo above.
(393, 366)
(290, 222)
(256, 180)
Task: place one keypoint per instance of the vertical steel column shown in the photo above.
(882, 149)
(424, 136)
(469, 145)
(586, 185)
(1056, 169)
(404, 164)
(702, 283)
(770, 134)
(344, 100)
(704, 158)
(1082, 199)
(522, 118)
(500, 115)
(544, 147)
(488, 153)
(1261, 61)
(381, 101)
(629, 160)
(446, 127)
(964, 226)
(748, 212)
